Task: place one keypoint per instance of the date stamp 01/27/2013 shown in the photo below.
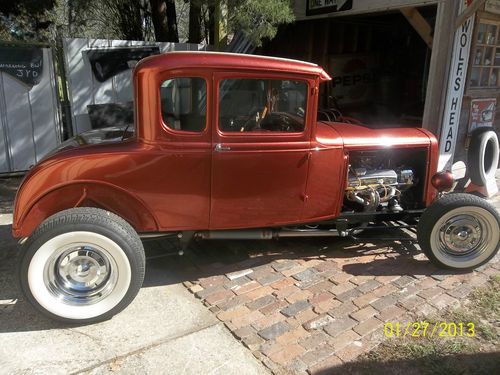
(429, 329)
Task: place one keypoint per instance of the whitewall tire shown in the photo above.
(460, 231)
(82, 265)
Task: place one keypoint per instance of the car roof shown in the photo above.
(224, 60)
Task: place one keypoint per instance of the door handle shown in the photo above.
(220, 147)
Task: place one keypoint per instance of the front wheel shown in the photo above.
(82, 265)
(459, 231)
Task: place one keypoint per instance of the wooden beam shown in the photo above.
(419, 23)
(326, 42)
(439, 68)
(471, 9)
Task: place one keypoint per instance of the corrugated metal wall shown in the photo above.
(29, 118)
(85, 89)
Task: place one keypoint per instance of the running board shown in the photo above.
(270, 234)
(265, 234)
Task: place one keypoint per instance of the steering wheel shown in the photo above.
(285, 124)
(282, 122)
(251, 123)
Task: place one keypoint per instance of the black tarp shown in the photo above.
(111, 114)
(107, 63)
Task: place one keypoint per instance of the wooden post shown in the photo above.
(471, 9)
(326, 42)
(419, 23)
(440, 65)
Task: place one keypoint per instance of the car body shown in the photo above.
(164, 180)
(226, 146)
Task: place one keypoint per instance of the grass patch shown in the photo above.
(426, 355)
(445, 355)
(483, 310)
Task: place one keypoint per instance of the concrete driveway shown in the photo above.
(165, 330)
(301, 305)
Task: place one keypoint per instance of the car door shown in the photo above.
(179, 183)
(261, 145)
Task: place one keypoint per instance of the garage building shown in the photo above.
(434, 64)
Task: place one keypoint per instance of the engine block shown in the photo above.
(362, 177)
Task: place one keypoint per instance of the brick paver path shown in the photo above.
(306, 305)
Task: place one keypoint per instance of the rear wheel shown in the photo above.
(460, 231)
(82, 265)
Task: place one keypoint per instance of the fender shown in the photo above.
(430, 192)
(99, 194)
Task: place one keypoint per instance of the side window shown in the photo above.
(262, 105)
(184, 103)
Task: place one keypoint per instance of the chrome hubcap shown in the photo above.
(80, 274)
(464, 236)
(461, 234)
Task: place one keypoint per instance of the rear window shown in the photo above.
(184, 103)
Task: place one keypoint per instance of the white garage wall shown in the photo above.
(29, 119)
(85, 89)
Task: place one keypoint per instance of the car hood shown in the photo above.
(357, 136)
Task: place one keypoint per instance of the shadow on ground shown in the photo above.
(8, 189)
(207, 258)
(473, 363)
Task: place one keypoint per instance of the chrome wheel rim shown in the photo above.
(462, 235)
(465, 236)
(80, 274)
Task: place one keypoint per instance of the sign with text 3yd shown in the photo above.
(455, 92)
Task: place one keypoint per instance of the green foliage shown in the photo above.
(43, 20)
(258, 19)
(32, 6)
(108, 19)
(24, 20)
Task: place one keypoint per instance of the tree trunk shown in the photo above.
(131, 21)
(211, 25)
(172, 21)
(159, 17)
(194, 22)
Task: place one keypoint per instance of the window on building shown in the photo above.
(183, 103)
(262, 105)
(485, 64)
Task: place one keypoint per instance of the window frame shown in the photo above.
(270, 135)
(165, 126)
(480, 91)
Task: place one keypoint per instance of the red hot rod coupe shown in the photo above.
(228, 146)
